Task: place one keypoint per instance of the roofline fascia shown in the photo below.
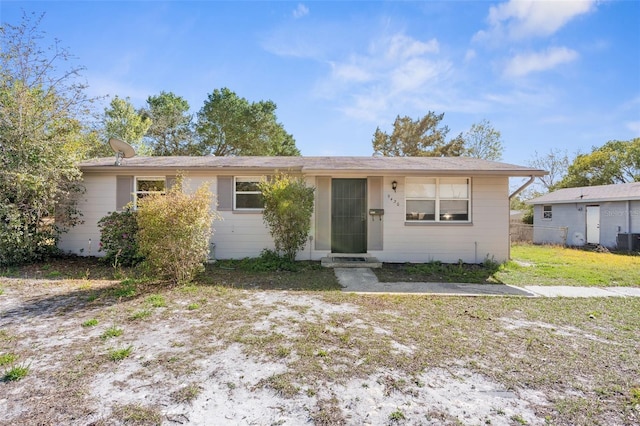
(409, 172)
(309, 171)
(584, 200)
(218, 170)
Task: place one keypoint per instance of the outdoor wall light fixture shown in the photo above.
(394, 185)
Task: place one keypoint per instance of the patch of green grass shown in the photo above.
(282, 384)
(53, 274)
(187, 393)
(283, 351)
(531, 265)
(397, 416)
(141, 314)
(157, 301)
(193, 306)
(111, 332)
(15, 373)
(555, 265)
(1, 291)
(635, 396)
(8, 358)
(127, 288)
(136, 414)
(328, 413)
(120, 354)
(308, 276)
(90, 323)
(438, 272)
(518, 419)
(9, 271)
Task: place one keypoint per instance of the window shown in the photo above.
(247, 194)
(437, 199)
(148, 185)
(547, 214)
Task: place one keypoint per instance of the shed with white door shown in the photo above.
(607, 215)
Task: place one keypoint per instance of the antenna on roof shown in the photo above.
(122, 150)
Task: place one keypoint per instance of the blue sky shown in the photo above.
(563, 74)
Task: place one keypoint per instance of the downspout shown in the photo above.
(522, 188)
(516, 192)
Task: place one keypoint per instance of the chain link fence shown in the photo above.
(525, 233)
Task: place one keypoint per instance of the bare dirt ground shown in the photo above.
(214, 355)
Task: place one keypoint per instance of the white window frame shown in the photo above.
(437, 199)
(547, 214)
(255, 179)
(136, 193)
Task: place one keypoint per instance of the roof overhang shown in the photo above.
(319, 166)
(583, 200)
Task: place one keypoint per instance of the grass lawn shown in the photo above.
(81, 343)
(555, 265)
(530, 265)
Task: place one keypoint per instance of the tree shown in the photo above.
(483, 141)
(614, 162)
(171, 132)
(419, 138)
(122, 121)
(555, 162)
(288, 206)
(230, 125)
(174, 232)
(41, 108)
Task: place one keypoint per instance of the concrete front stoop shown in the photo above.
(347, 260)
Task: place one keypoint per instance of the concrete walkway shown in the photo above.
(364, 280)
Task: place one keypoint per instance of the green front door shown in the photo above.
(349, 216)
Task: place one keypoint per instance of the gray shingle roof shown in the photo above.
(314, 164)
(589, 194)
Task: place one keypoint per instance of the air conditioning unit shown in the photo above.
(623, 242)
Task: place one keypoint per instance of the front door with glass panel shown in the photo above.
(349, 215)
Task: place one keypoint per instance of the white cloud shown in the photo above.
(400, 47)
(470, 55)
(392, 73)
(300, 11)
(414, 74)
(523, 64)
(351, 72)
(520, 19)
(634, 126)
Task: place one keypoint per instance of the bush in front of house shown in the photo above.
(118, 232)
(288, 206)
(174, 231)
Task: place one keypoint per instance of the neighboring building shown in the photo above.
(398, 209)
(607, 215)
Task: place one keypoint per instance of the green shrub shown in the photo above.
(288, 206)
(269, 260)
(174, 232)
(118, 232)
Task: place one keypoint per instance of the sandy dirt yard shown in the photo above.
(104, 352)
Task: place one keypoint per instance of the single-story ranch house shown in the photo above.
(608, 215)
(397, 209)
